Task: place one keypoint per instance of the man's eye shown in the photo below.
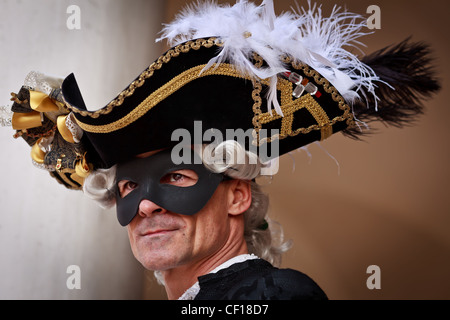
(125, 187)
(130, 185)
(181, 178)
(175, 177)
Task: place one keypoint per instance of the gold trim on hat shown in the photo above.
(288, 105)
(160, 94)
(175, 52)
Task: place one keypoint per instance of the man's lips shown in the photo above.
(157, 232)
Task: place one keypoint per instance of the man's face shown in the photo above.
(162, 240)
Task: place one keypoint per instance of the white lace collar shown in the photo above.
(192, 292)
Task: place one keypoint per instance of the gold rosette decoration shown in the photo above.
(41, 118)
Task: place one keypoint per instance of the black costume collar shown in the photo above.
(258, 280)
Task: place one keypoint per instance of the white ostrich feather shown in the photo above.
(305, 35)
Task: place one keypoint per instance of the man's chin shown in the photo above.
(157, 261)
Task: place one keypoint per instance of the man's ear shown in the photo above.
(239, 196)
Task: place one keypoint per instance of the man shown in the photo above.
(203, 255)
(202, 223)
(187, 248)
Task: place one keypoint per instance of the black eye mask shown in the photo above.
(147, 174)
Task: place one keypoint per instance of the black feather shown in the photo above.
(407, 79)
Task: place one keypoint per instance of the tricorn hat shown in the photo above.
(289, 79)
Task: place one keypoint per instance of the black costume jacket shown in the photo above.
(257, 279)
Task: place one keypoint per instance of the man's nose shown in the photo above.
(147, 208)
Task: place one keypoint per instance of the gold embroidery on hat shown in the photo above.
(175, 52)
(289, 107)
(306, 101)
(324, 124)
(162, 93)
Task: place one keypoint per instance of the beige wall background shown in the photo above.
(386, 204)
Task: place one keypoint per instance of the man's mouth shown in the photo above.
(157, 232)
